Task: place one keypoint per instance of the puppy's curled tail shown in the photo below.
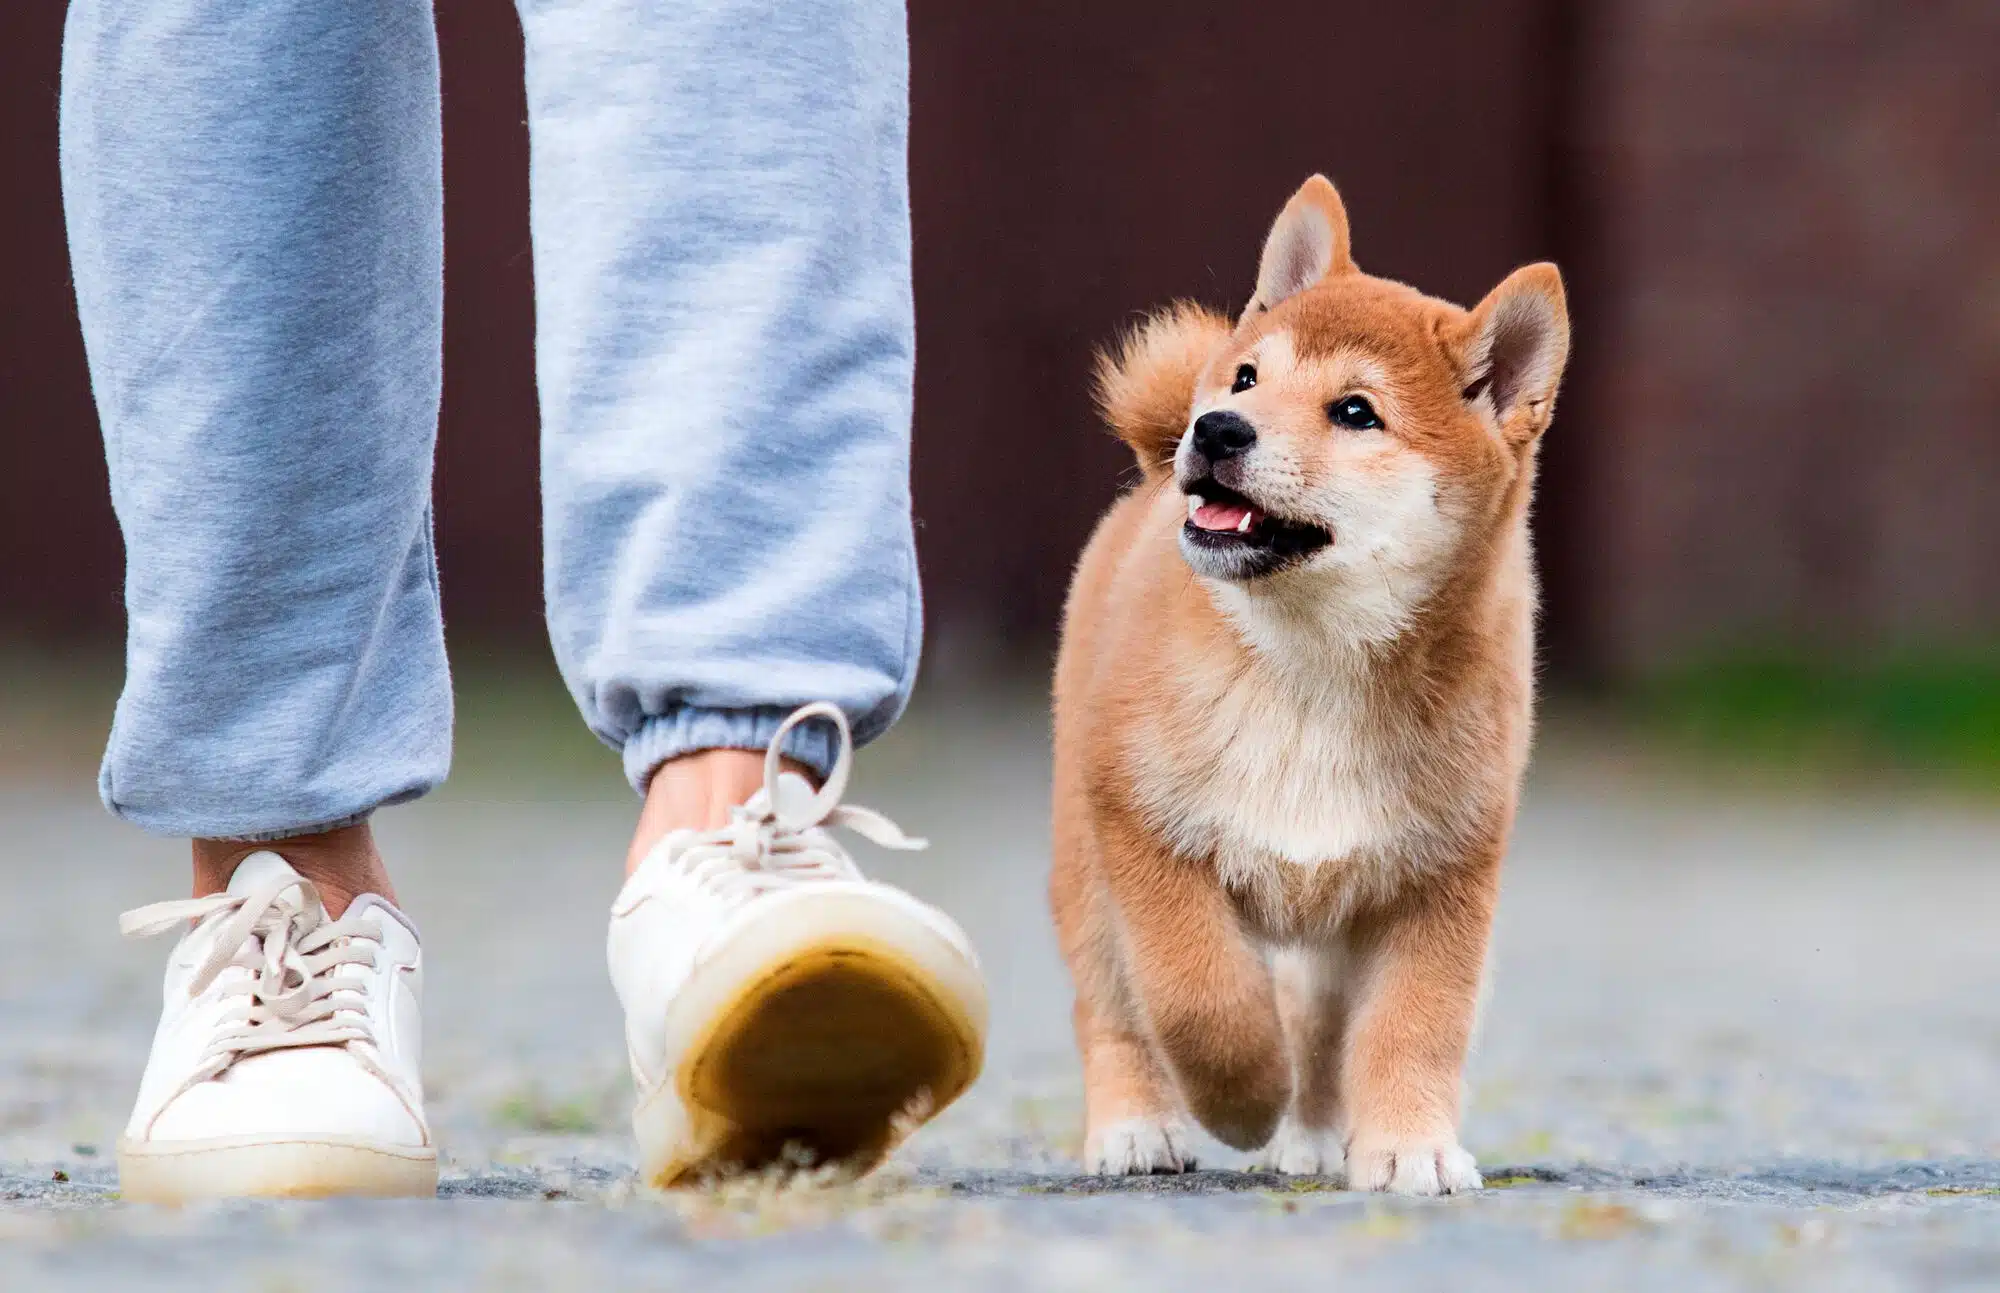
(1146, 379)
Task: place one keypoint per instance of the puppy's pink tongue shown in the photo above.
(1224, 516)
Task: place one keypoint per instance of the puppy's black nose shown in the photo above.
(1222, 435)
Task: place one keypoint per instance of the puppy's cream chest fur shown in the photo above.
(1255, 768)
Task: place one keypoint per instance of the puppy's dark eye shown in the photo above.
(1355, 413)
(1246, 377)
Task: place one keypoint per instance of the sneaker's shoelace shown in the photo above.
(295, 993)
(764, 848)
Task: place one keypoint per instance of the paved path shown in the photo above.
(1732, 1042)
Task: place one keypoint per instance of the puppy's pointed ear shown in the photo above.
(1307, 245)
(1513, 347)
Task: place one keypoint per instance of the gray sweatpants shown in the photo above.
(724, 350)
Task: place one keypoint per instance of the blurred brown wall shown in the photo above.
(59, 552)
(1799, 206)
(1782, 406)
(1072, 164)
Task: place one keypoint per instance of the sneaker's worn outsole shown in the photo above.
(251, 1167)
(832, 1052)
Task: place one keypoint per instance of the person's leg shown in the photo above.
(725, 348)
(722, 256)
(255, 211)
(697, 791)
(255, 219)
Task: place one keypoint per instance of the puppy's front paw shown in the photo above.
(1422, 1165)
(1297, 1150)
(1137, 1147)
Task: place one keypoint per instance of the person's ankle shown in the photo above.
(343, 864)
(695, 792)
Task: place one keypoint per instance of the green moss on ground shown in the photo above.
(1932, 712)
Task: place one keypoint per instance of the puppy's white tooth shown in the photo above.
(1194, 505)
(1243, 526)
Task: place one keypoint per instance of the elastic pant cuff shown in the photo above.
(685, 730)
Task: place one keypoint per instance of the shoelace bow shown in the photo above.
(294, 994)
(764, 848)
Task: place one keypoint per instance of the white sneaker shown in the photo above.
(775, 998)
(286, 1057)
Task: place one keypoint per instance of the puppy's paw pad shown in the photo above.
(1138, 1147)
(1297, 1150)
(1417, 1165)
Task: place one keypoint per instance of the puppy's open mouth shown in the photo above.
(1220, 519)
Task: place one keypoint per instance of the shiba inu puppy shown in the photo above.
(1292, 711)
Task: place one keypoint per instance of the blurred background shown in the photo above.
(1771, 502)
(1778, 454)
(1769, 525)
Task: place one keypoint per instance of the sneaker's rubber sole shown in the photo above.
(247, 1168)
(828, 1053)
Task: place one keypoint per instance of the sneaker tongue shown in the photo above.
(259, 869)
(793, 801)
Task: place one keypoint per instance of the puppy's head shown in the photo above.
(1353, 435)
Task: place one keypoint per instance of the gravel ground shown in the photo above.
(1734, 1040)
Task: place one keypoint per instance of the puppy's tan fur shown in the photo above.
(1281, 801)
